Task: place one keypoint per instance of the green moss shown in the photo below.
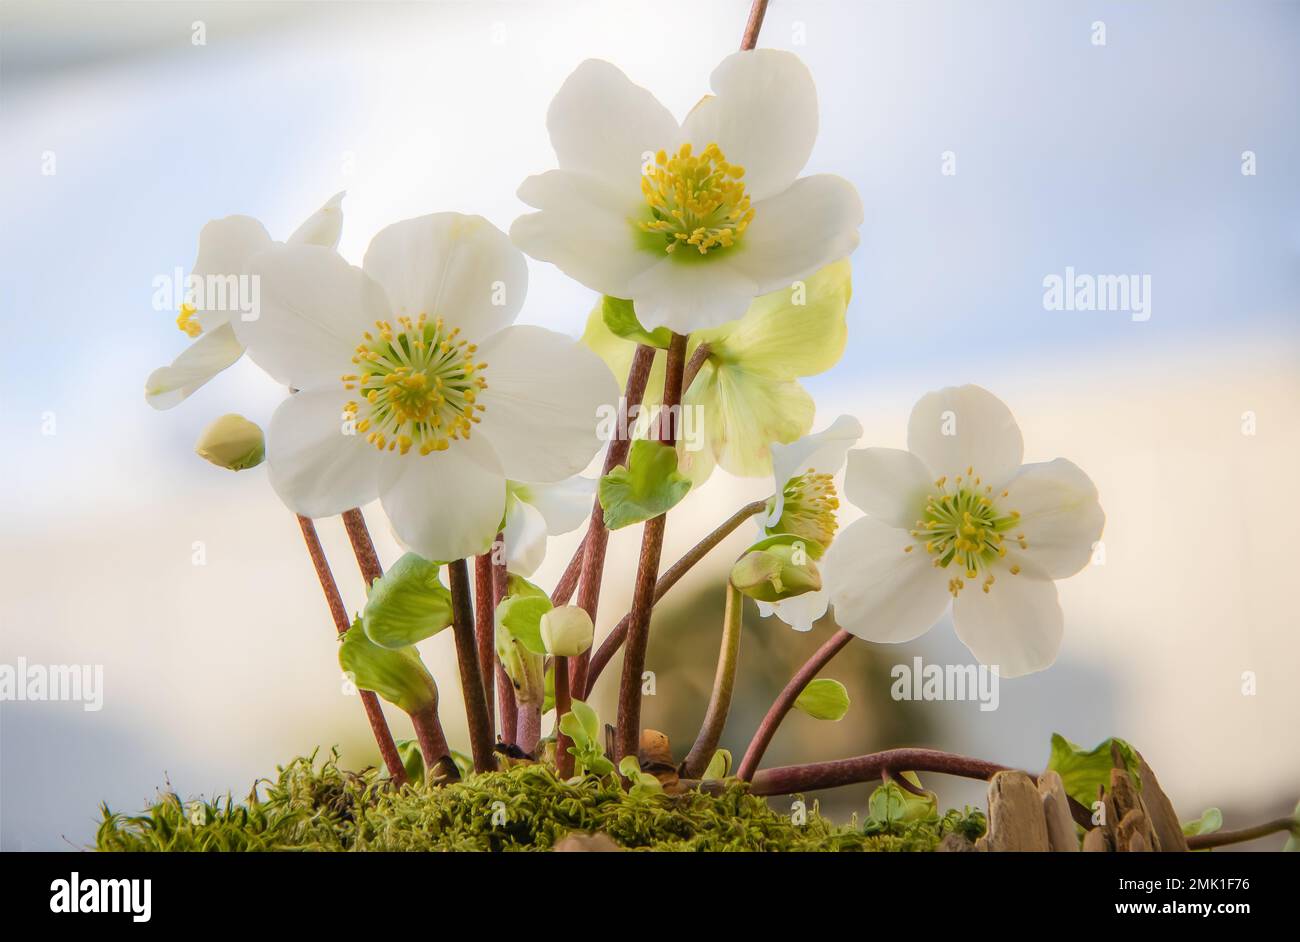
(325, 808)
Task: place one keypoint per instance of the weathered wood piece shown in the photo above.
(1016, 821)
(1061, 834)
(1160, 812)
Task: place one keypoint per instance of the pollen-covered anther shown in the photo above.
(697, 200)
(186, 322)
(419, 385)
(965, 527)
(809, 505)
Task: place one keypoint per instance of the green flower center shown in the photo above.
(964, 526)
(418, 384)
(809, 508)
(696, 200)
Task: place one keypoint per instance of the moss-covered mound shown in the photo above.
(326, 808)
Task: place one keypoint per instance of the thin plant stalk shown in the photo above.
(507, 709)
(781, 706)
(485, 630)
(724, 682)
(1224, 838)
(614, 640)
(568, 582)
(756, 13)
(530, 726)
(875, 766)
(362, 546)
(429, 734)
(374, 712)
(628, 730)
(471, 678)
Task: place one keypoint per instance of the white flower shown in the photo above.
(690, 221)
(805, 503)
(225, 248)
(537, 511)
(414, 386)
(958, 518)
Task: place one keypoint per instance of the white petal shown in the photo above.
(763, 115)
(800, 612)
(460, 268)
(446, 505)
(1059, 516)
(525, 537)
(799, 231)
(691, 294)
(888, 483)
(314, 309)
(544, 392)
(602, 124)
(1016, 626)
(564, 505)
(197, 363)
(322, 227)
(880, 592)
(960, 427)
(822, 451)
(225, 247)
(586, 228)
(316, 465)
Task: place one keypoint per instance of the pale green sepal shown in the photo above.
(647, 486)
(396, 674)
(407, 604)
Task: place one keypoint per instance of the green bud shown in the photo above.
(232, 442)
(398, 675)
(776, 572)
(522, 666)
(566, 631)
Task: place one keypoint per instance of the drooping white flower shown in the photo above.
(535, 512)
(415, 388)
(805, 504)
(957, 518)
(225, 248)
(689, 220)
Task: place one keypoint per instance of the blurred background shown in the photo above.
(122, 137)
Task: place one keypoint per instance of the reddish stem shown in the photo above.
(1223, 838)
(428, 731)
(530, 726)
(568, 582)
(789, 779)
(781, 706)
(628, 731)
(756, 14)
(485, 630)
(506, 707)
(471, 679)
(362, 546)
(614, 640)
(374, 712)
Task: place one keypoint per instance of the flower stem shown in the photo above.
(614, 640)
(693, 366)
(597, 539)
(563, 758)
(428, 732)
(568, 581)
(1223, 838)
(756, 14)
(485, 630)
(781, 706)
(471, 678)
(506, 706)
(789, 779)
(374, 712)
(530, 726)
(724, 682)
(628, 731)
(362, 546)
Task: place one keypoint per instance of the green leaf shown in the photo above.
(518, 585)
(523, 666)
(620, 317)
(891, 803)
(398, 675)
(814, 549)
(1211, 820)
(521, 615)
(649, 485)
(1084, 771)
(719, 766)
(583, 727)
(643, 784)
(412, 759)
(548, 699)
(407, 604)
(824, 699)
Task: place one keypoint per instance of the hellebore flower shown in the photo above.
(957, 518)
(415, 388)
(692, 220)
(225, 248)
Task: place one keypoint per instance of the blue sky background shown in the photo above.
(1120, 159)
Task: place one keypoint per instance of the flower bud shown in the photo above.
(776, 572)
(525, 668)
(567, 631)
(232, 442)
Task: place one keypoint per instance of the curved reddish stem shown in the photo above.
(789, 779)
